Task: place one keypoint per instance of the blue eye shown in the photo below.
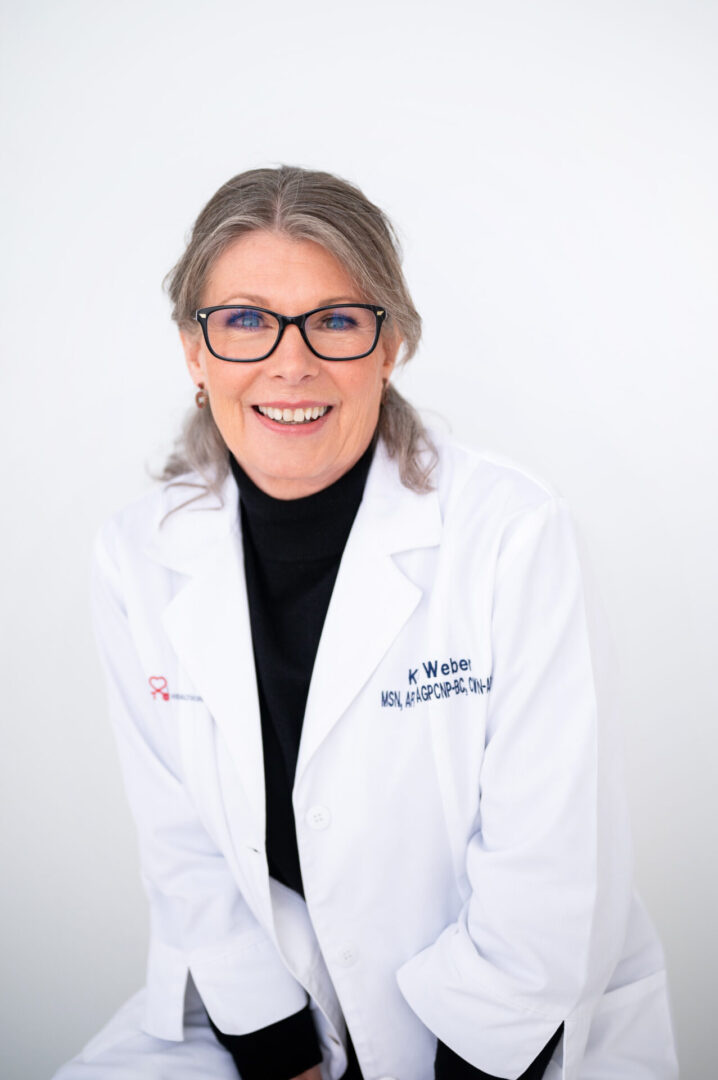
(245, 319)
(335, 321)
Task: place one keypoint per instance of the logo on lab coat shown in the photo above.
(159, 688)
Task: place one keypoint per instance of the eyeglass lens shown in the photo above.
(246, 333)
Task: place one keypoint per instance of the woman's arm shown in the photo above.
(199, 920)
(549, 865)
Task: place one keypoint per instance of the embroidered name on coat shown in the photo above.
(436, 680)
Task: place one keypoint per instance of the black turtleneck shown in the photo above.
(292, 551)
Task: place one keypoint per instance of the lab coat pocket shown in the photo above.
(631, 1033)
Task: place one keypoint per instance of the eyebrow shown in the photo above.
(262, 301)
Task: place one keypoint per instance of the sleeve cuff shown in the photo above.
(449, 1066)
(277, 1052)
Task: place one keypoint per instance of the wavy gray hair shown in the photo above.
(304, 204)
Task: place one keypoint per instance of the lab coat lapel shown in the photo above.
(372, 599)
(208, 619)
(208, 625)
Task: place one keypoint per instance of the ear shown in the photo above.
(193, 354)
(392, 344)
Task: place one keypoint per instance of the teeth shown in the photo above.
(293, 416)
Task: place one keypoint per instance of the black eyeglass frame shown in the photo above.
(202, 315)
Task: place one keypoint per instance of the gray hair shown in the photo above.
(304, 204)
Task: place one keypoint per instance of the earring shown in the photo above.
(201, 397)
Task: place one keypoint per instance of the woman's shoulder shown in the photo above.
(475, 475)
(169, 507)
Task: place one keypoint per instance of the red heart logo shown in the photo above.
(158, 685)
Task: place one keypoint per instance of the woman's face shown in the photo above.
(288, 461)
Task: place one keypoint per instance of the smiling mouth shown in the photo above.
(293, 416)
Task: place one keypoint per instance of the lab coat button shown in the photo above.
(318, 817)
(346, 956)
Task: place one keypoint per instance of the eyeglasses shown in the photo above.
(247, 334)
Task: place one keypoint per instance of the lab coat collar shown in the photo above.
(391, 518)
(208, 620)
(191, 521)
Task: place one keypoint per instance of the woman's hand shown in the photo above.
(310, 1074)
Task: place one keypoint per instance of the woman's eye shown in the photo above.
(335, 321)
(245, 319)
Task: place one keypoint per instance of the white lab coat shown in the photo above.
(460, 819)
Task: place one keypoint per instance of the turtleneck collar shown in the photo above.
(312, 527)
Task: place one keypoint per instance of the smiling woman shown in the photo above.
(305, 216)
(361, 704)
(329, 407)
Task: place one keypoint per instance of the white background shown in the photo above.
(552, 168)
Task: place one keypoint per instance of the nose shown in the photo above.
(292, 360)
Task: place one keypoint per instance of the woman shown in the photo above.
(363, 720)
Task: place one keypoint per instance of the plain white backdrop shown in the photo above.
(552, 168)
